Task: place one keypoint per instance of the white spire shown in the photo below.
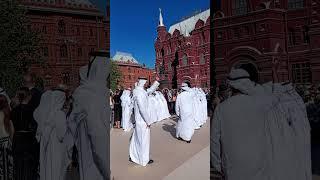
(160, 18)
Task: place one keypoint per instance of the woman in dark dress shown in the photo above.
(25, 146)
(117, 109)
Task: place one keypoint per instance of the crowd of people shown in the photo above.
(142, 107)
(266, 126)
(43, 134)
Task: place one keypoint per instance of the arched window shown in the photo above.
(306, 36)
(66, 78)
(295, 4)
(61, 27)
(203, 38)
(292, 37)
(169, 66)
(185, 60)
(63, 51)
(239, 7)
(202, 59)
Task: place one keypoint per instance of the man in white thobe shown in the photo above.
(185, 112)
(163, 106)
(52, 133)
(90, 116)
(291, 133)
(241, 146)
(126, 111)
(197, 109)
(140, 139)
(154, 113)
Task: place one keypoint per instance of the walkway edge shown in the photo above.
(197, 167)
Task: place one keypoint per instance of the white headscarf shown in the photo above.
(142, 82)
(240, 79)
(42, 111)
(83, 74)
(184, 86)
(3, 92)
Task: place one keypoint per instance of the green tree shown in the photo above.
(18, 43)
(115, 76)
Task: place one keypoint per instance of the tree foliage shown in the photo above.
(115, 76)
(18, 43)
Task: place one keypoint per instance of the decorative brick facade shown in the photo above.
(255, 33)
(183, 53)
(70, 30)
(131, 70)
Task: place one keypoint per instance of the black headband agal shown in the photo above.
(2, 91)
(142, 78)
(237, 78)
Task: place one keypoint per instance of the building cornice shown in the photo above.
(65, 10)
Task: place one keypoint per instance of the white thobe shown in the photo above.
(186, 113)
(197, 110)
(126, 111)
(153, 108)
(290, 135)
(163, 106)
(240, 139)
(140, 139)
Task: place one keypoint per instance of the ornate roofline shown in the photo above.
(87, 12)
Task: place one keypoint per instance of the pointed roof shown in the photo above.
(160, 18)
(186, 26)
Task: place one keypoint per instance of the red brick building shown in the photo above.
(70, 30)
(183, 52)
(131, 70)
(255, 33)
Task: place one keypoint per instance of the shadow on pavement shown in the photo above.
(170, 128)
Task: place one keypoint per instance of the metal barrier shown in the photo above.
(6, 159)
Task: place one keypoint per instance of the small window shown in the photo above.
(66, 78)
(63, 51)
(202, 59)
(306, 36)
(61, 27)
(185, 60)
(79, 51)
(44, 29)
(45, 52)
(91, 32)
(301, 73)
(292, 37)
(295, 4)
(239, 7)
(78, 31)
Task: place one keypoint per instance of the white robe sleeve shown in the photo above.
(153, 88)
(178, 106)
(60, 125)
(215, 139)
(97, 118)
(143, 110)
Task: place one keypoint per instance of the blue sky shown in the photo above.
(133, 24)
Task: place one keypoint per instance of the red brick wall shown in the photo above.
(258, 33)
(84, 31)
(131, 72)
(198, 74)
